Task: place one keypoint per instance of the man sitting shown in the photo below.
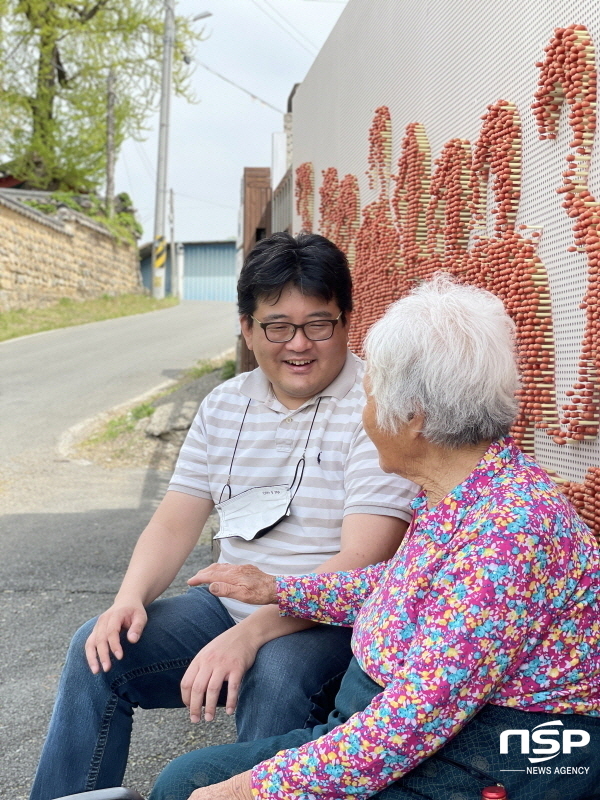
(282, 454)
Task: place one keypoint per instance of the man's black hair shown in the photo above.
(309, 262)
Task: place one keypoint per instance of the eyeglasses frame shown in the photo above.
(265, 325)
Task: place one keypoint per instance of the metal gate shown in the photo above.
(209, 271)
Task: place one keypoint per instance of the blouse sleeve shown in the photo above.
(331, 597)
(471, 630)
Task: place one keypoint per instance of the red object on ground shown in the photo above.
(494, 793)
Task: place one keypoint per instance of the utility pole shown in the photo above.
(174, 264)
(110, 143)
(159, 252)
(159, 247)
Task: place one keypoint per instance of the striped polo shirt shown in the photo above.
(341, 475)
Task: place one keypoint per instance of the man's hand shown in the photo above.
(105, 638)
(226, 658)
(237, 788)
(246, 583)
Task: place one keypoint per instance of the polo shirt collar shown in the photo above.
(443, 521)
(256, 385)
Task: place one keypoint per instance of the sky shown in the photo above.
(265, 46)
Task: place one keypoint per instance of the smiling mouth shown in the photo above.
(297, 362)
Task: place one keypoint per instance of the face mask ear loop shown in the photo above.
(301, 463)
(299, 470)
(237, 441)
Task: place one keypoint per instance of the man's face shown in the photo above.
(300, 368)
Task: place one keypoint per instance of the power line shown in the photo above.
(129, 181)
(279, 25)
(293, 27)
(145, 160)
(146, 218)
(241, 88)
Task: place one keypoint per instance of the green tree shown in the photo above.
(55, 56)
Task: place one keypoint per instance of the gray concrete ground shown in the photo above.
(68, 528)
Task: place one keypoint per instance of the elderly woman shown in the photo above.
(477, 647)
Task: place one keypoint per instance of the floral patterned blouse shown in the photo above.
(493, 598)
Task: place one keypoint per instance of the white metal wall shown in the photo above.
(441, 63)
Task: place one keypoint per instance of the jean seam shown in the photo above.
(101, 743)
(96, 763)
(160, 666)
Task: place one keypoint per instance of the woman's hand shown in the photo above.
(226, 658)
(237, 788)
(246, 583)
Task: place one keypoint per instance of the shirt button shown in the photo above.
(289, 419)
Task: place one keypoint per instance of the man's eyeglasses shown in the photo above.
(281, 332)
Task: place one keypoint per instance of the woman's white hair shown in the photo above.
(446, 351)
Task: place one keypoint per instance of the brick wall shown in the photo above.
(44, 258)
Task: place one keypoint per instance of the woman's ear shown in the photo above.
(414, 426)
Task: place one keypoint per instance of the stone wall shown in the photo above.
(45, 258)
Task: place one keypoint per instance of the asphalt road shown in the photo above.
(67, 528)
(55, 379)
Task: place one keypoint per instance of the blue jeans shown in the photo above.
(461, 769)
(88, 739)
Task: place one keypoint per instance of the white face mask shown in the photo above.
(255, 512)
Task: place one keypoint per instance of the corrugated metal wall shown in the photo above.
(209, 271)
(146, 270)
(441, 63)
